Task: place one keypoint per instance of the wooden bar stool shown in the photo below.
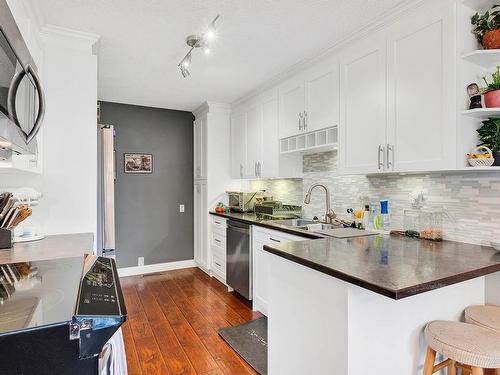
(461, 343)
(484, 316)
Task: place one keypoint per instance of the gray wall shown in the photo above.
(148, 221)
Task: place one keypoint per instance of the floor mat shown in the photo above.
(249, 340)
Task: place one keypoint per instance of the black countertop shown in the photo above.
(252, 219)
(394, 266)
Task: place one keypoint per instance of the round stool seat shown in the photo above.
(484, 316)
(465, 343)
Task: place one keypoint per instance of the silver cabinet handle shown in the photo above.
(11, 103)
(305, 120)
(241, 170)
(218, 264)
(380, 161)
(259, 169)
(274, 239)
(198, 174)
(216, 240)
(390, 163)
(301, 117)
(255, 169)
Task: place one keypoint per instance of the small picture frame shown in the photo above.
(138, 163)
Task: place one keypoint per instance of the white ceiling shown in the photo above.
(142, 41)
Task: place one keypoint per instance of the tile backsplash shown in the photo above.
(471, 200)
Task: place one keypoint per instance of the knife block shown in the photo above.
(6, 238)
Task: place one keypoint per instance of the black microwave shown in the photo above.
(22, 101)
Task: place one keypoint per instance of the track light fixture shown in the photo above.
(197, 41)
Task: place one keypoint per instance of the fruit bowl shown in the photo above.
(481, 160)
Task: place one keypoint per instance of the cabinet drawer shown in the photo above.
(219, 265)
(219, 252)
(219, 225)
(219, 240)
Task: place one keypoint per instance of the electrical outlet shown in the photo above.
(181, 208)
(140, 261)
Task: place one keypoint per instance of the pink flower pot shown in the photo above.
(492, 99)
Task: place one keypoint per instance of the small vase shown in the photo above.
(496, 155)
(491, 39)
(492, 99)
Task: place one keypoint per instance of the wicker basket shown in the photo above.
(486, 162)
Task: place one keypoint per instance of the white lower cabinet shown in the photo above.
(260, 262)
(218, 247)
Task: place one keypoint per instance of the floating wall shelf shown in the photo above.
(482, 113)
(316, 141)
(485, 58)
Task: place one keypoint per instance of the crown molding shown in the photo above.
(212, 107)
(374, 26)
(72, 38)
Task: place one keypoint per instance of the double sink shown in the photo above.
(324, 229)
(305, 224)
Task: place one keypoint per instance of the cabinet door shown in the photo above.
(199, 149)
(238, 146)
(291, 103)
(254, 140)
(260, 293)
(421, 95)
(200, 213)
(270, 157)
(362, 127)
(322, 99)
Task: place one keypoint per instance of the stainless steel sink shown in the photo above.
(294, 222)
(303, 224)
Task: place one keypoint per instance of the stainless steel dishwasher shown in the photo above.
(238, 258)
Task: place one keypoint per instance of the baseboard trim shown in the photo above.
(159, 267)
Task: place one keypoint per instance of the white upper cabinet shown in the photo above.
(309, 101)
(420, 131)
(200, 152)
(238, 145)
(321, 99)
(270, 157)
(291, 107)
(254, 141)
(362, 111)
(398, 97)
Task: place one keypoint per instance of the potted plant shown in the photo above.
(486, 27)
(492, 90)
(489, 135)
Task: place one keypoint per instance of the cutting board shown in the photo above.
(345, 232)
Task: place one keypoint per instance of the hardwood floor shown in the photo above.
(173, 318)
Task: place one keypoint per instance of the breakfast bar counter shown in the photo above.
(359, 306)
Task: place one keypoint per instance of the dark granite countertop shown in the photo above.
(251, 218)
(394, 266)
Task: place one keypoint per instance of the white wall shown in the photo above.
(68, 69)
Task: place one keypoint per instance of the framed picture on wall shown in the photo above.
(138, 163)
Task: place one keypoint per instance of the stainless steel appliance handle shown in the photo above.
(11, 103)
(380, 161)
(238, 229)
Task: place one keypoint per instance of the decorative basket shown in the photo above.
(483, 162)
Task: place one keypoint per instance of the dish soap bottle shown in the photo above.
(384, 211)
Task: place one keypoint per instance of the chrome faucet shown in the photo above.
(329, 215)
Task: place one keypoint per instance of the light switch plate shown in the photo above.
(181, 208)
